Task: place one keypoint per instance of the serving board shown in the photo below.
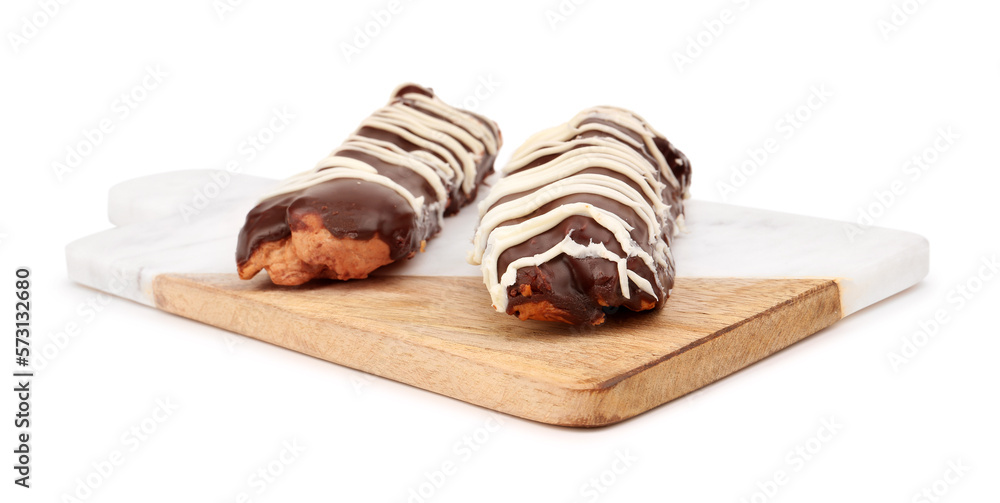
(750, 283)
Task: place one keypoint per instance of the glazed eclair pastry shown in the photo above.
(582, 222)
(377, 198)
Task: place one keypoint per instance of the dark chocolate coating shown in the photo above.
(361, 210)
(586, 289)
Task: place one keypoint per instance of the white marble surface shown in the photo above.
(179, 223)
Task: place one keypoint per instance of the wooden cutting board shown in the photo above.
(441, 334)
(752, 282)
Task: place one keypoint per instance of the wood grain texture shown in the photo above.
(441, 334)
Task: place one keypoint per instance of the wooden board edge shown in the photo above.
(700, 363)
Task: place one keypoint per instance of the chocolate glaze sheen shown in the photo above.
(587, 289)
(361, 210)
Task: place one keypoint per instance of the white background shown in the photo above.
(368, 439)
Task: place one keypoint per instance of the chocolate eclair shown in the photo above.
(374, 200)
(582, 223)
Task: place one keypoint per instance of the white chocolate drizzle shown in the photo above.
(567, 154)
(450, 143)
